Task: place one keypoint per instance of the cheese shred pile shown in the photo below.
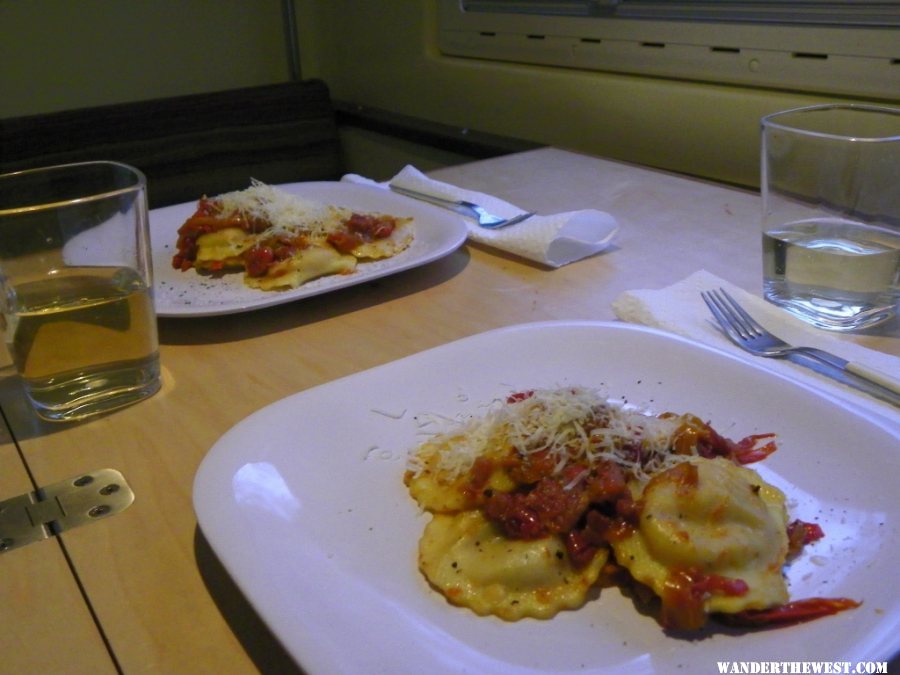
(284, 211)
(571, 424)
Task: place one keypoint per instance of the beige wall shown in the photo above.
(383, 54)
(59, 54)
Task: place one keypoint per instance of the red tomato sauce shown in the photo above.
(590, 506)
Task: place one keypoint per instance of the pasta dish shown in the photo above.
(281, 241)
(554, 494)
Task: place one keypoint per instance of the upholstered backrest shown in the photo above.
(191, 145)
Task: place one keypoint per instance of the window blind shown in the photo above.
(806, 12)
(842, 47)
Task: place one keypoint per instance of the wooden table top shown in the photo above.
(142, 591)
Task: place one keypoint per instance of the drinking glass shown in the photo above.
(831, 213)
(76, 287)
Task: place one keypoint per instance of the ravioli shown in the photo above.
(438, 490)
(387, 247)
(474, 565)
(222, 249)
(306, 264)
(710, 517)
(282, 241)
(551, 493)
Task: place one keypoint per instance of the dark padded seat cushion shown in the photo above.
(191, 145)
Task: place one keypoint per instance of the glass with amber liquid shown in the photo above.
(77, 294)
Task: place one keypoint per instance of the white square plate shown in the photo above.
(304, 504)
(188, 294)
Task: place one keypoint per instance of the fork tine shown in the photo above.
(733, 318)
(734, 315)
(735, 321)
(510, 221)
(481, 215)
(714, 303)
(747, 322)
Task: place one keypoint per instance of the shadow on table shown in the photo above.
(260, 644)
(18, 415)
(240, 326)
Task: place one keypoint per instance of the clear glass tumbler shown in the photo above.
(831, 213)
(76, 287)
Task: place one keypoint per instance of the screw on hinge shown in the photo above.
(98, 511)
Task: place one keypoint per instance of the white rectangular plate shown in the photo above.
(189, 294)
(304, 504)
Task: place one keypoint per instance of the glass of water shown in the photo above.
(76, 289)
(831, 213)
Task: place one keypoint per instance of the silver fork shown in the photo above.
(744, 331)
(482, 217)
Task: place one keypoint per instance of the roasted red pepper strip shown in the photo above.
(519, 396)
(371, 226)
(747, 450)
(344, 242)
(800, 534)
(710, 443)
(684, 596)
(797, 611)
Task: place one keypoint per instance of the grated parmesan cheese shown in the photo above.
(287, 213)
(573, 424)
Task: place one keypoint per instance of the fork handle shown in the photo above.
(876, 376)
(431, 199)
(830, 367)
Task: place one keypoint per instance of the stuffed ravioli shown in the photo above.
(281, 241)
(553, 494)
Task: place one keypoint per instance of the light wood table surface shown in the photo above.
(162, 601)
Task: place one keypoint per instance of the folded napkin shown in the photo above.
(680, 309)
(552, 240)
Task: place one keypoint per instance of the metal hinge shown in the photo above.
(48, 511)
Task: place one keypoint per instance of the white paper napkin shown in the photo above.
(680, 309)
(552, 240)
